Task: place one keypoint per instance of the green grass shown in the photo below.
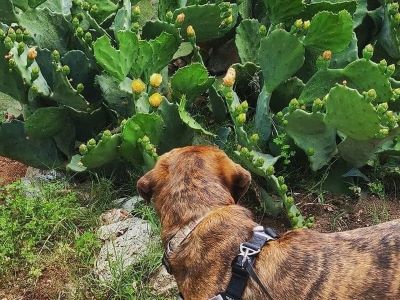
(52, 226)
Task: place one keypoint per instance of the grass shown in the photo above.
(49, 243)
(379, 213)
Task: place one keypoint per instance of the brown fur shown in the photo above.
(191, 182)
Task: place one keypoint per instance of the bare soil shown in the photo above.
(10, 170)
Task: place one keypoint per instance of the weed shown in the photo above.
(32, 220)
(379, 213)
(377, 188)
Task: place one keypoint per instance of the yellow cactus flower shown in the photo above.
(155, 80)
(230, 77)
(138, 86)
(190, 31)
(32, 53)
(180, 18)
(327, 55)
(155, 100)
(298, 23)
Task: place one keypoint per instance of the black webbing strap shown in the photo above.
(242, 266)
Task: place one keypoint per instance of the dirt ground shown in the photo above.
(10, 170)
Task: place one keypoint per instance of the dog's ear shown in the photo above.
(145, 186)
(240, 182)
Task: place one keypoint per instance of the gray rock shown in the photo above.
(43, 175)
(125, 243)
(128, 203)
(114, 215)
(163, 283)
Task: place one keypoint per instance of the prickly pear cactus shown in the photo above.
(314, 81)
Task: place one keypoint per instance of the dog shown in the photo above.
(202, 183)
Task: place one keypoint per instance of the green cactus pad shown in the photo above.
(348, 55)
(117, 98)
(123, 17)
(65, 94)
(39, 153)
(117, 63)
(188, 119)
(314, 7)
(329, 31)
(137, 127)
(190, 81)
(11, 83)
(320, 84)
(350, 113)
(154, 55)
(283, 10)
(65, 139)
(153, 28)
(269, 161)
(310, 132)
(279, 63)
(248, 81)
(7, 12)
(206, 20)
(285, 92)
(79, 64)
(389, 36)
(90, 123)
(163, 49)
(217, 105)
(25, 71)
(355, 76)
(248, 40)
(358, 153)
(104, 9)
(263, 120)
(142, 104)
(46, 122)
(165, 6)
(75, 164)
(106, 151)
(173, 124)
(52, 30)
(356, 72)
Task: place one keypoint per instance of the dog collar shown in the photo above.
(181, 235)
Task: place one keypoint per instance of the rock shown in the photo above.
(128, 203)
(114, 230)
(163, 283)
(113, 216)
(42, 175)
(125, 243)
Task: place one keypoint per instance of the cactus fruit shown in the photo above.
(138, 86)
(32, 53)
(155, 80)
(230, 77)
(155, 99)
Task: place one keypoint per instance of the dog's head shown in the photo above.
(181, 165)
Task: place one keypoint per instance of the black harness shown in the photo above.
(242, 265)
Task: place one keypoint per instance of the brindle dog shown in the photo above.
(201, 181)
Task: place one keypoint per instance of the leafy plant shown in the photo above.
(311, 77)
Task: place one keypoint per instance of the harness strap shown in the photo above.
(242, 266)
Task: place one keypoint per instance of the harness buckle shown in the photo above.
(247, 250)
(218, 297)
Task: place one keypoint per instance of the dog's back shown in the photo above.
(357, 264)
